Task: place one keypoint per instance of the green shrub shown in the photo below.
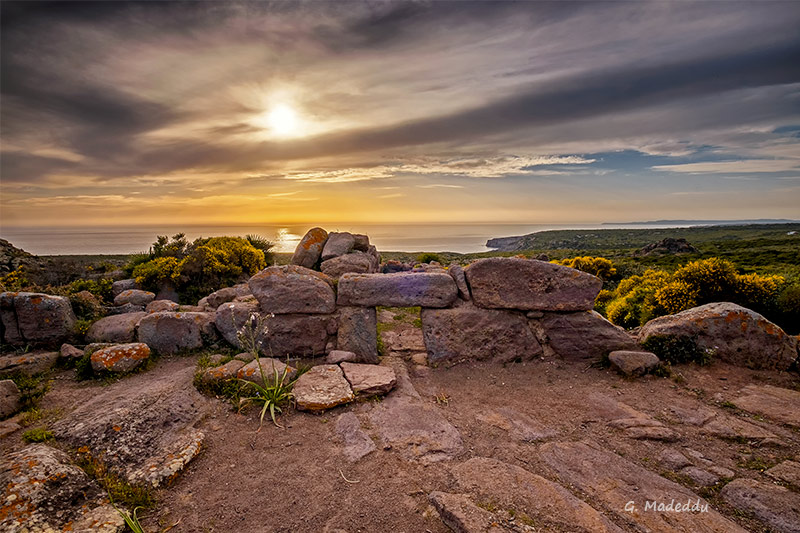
(677, 350)
(37, 435)
(635, 302)
(261, 243)
(100, 288)
(429, 258)
(153, 273)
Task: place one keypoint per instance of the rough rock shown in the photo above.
(690, 414)
(530, 285)
(135, 297)
(322, 387)
(583, 336)
(231, 316)
(357, 332)
(169, 333)
(699, 476)
(44, 491)
(341, 356)
(668, 246)
(309, 249)
(778, 507)
(292, 289)
(412, 426)
(782, 405)
(392, 266)
(461, 515)
(631, 363)
(369, 379)
(635, 424)
(11, 258)
(93, 347)
(338, 244)
(361, 242)
(9, 398)
(728, 427)
(124, 309)
(404, 340)
(115, 328)
(613, 481)
(35, 318)
(356, 442)
(471, 333)
(120, 358)
(520, 426)
(787, 472)
(28, 363)
(734, 334)
(513, 488)
(358, 262)
(70, 353)
(217, 298)
(144, 428)
(123, 285)
(266, 374)
(456, 271)
(673, 459)
(168, 291)
(156, 306)
(404, 289)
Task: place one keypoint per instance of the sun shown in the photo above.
(282, 121)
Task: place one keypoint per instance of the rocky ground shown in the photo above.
(543, 445)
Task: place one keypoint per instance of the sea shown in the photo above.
(461, 238)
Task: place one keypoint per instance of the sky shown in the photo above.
(115, 113)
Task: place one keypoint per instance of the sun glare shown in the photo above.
(282, 121)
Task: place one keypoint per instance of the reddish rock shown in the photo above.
(369, 379)
(358, 262)
(356, 442)
(338, 244)
(775, 506)
(403, 289)
(218, 374)
(120, 358)
(777, 403)
(582, 336)
(9, 398)
(456, 271)
(115, 328)
(309, 249)
(631, 363)
(293, 289)
(322, 387)
(70, 353)
(461, 515)
(134, 297)
(157, 306)
(529, 285)
(35, 318)
(28, 363)
(263, 370)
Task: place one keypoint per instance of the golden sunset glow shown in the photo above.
(281, 121)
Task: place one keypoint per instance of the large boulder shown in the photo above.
(322, 387)
(230, 317)
(293, 289)
(30, 363)
(467, 332)
(358, 332)
(135, 297)
(9, 398)
(123, 285)
(582, 336)
(530, 285)
(309, 249)
(338, 244)
(403, 289)
(169, 333)
(217, 298)
(35, 318)
(120, 358)
(734, 334)
(45, 491)
(358, 262)
(156, 306)
(115, 328)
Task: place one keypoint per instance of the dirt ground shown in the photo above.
(297, 480)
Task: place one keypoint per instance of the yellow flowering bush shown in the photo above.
(596, 266)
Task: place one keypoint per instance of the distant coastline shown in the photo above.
(705, 222)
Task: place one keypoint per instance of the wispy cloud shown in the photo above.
(729, 167)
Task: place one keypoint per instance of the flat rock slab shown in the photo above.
(369, 379)
(729, 427)
(530, 285)
(115, 328)
(520, 426)
(358, 262)
(583, 336)
(413, 427)
(291, 289)
(402, 289)
(44, 491)
(467, 332)
(460, 514)
(734, 334)
(28, 363)
(218, 374)
(322, 387)
(120, 358)
(787, 472)
(356, 442)
(144, 429)
(776, 403)
(635, 424)
(614, 482)
(513, 488)
(775, 506)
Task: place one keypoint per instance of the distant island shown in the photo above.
(705, 222)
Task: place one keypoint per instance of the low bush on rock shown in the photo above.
(596, 266)
(677, 350)
(37, 435)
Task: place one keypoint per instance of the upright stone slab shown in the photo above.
(530, 285)
(582, 336)
(293, 289)
(115, 328)
(309, 249)
(734, 334)
(403, 289)
(358, 332)
(338, 244)
(471, 333)
(299, 335)
(36, 318)
(358, 262)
